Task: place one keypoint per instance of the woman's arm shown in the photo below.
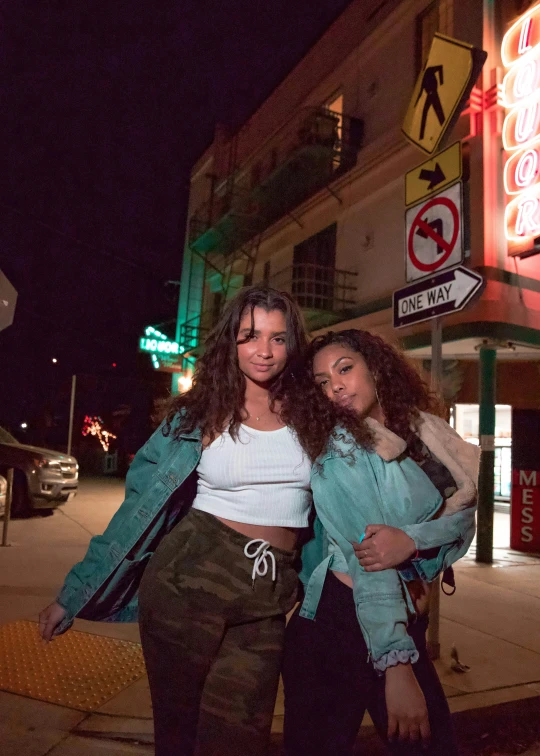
(58, 616)
(434, 545)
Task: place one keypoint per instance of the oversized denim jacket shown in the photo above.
(353, 488)
(160, 483)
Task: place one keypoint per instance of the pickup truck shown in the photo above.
(42, 478)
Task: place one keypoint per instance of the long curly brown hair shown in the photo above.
(401, 391)
(215, 402)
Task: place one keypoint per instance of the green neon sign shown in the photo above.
(157, 344)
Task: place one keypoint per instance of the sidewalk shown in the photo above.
(492, 620)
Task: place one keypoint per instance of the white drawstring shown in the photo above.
(260, 555)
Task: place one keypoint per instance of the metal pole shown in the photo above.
(7, 512)
(486, 481)
(433, 642)
(71, 412)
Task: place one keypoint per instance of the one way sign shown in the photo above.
(438, 295)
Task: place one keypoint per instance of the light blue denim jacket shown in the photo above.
(353, 488)
(160, 483)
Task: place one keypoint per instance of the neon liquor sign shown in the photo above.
(520, 54)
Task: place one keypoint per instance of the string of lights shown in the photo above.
(93, 426)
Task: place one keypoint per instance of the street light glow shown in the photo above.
(54, 360)
(24, 425)
(184, 383)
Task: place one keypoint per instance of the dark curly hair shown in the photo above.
(401, 391)
(216, 400)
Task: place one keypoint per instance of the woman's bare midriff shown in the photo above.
(281, 538)
(419, 591)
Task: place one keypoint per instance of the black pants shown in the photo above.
(330, 683)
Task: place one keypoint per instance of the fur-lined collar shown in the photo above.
(459, 457)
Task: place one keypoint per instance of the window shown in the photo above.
(466, 422)
(437, 17)
(314, 263)
(335, 105)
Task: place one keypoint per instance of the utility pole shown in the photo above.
(433, 640)
(71, 412)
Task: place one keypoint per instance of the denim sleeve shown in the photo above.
(379, 596)
(451, 535)
(138, 477)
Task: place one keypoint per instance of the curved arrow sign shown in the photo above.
(437, 295)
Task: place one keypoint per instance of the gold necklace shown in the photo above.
(261, 415)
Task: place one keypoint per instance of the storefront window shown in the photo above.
(465, 420)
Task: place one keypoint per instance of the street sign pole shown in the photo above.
(433, 641)
(71, 412)
(7, 511)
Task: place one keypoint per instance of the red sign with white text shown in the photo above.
(525, 520)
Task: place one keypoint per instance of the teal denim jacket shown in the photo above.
(160, 483)
(353, 488)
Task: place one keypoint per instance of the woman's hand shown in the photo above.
(407, 711)
(49, 619)
(383, 547)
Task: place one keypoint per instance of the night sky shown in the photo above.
(105, 106)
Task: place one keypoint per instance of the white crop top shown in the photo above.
(263, 478)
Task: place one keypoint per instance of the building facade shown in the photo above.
(308, 196)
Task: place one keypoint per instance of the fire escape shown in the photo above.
(224, 233)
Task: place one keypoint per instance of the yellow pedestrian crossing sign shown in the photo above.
(441, 90)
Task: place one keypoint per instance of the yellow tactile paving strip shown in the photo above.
(77, 670)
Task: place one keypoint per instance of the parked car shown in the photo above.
(3, 491)
(42, 478)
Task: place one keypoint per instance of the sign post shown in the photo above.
(433, 642)
(434, 220)
(7, 511)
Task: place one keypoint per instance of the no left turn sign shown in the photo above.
(434, 234)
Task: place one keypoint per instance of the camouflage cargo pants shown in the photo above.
(213, 639)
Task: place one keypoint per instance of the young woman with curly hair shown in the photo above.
(393, 513)
(215, 503)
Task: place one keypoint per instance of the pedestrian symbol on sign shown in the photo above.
(432, 78)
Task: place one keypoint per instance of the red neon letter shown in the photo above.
(525, 80)
(526, 223)
(526, 169)
(525, 122)
(525, 36)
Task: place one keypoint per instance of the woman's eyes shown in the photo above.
(279, 340)
(345, 369)
(322, 384)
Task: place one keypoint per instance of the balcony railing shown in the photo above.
(317, 287)
(320, 290)
(302, 158)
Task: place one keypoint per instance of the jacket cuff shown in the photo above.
(395, 657)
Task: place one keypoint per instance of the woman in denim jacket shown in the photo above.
(415, 482)
(220, 493)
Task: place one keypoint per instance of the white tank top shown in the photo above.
(263, 478)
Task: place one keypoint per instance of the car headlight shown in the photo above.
(50, 464)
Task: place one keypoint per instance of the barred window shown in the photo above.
(437, 17)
